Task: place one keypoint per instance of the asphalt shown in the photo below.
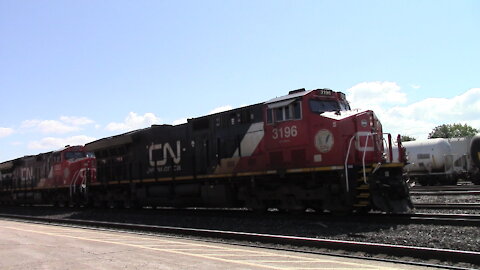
(38, 246)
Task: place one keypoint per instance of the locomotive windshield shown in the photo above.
(321, 106)
(74, 155)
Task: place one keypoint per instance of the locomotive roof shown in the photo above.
(120, 139)
(290, 96)
(6, 165)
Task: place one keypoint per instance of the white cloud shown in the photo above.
(134, 121)
(65, 125)
(221, 109)
(364, 94)
(419, 118)
(76, 121)
(56, 143)
(48, 126)
(4, 132)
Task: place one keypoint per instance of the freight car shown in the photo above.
(443, 161)
(57, 177)
(307, 149)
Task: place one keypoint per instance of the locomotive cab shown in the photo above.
(314, 128)
(316, 133)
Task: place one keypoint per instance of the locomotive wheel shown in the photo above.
(256, 205)
(112, 204)
(476, 180)
(131, 204)
(292, 205)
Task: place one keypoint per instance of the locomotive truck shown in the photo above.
(307, 149)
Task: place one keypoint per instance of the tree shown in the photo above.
(406, 138)
(452, 131)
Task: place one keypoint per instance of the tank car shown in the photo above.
(443, 161)
(474, 155)
(57, 177)
(307, 149)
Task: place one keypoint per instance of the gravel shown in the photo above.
(446, 199)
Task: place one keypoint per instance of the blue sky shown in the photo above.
(75, 71)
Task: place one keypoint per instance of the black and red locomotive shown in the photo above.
(54, 177)
(307, 149)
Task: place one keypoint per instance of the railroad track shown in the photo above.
(446, 188)
(422, 253)
(445, 192)
(411, 218)
(427, 218)
(470, 206)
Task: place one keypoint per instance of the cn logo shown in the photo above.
(26, 173)
(167, 152)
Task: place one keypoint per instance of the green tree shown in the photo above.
(406, 138)
(452, 131)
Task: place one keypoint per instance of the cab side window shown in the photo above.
(291, 111)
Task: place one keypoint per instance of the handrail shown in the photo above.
(363, 158)
(73, 184)
(346, 160)
(84, 181)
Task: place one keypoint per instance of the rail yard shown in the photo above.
(301, 172)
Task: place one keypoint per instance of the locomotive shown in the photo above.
(307, 149)
(54, 177)
(443, 161)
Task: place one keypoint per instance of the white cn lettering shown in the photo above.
(26, 173)
(167, 151)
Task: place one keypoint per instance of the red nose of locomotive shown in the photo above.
(80, 164)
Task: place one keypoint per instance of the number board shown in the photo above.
(325, 92)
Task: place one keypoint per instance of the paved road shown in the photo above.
(36, 246)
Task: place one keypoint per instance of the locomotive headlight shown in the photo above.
(364, 122)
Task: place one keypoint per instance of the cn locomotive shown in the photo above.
(307, 149)
(54, 177)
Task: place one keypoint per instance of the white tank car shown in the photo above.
(443, 161)
(432, 155)
(460, 150)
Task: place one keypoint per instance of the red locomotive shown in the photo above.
(307, 149)
(58, 177)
